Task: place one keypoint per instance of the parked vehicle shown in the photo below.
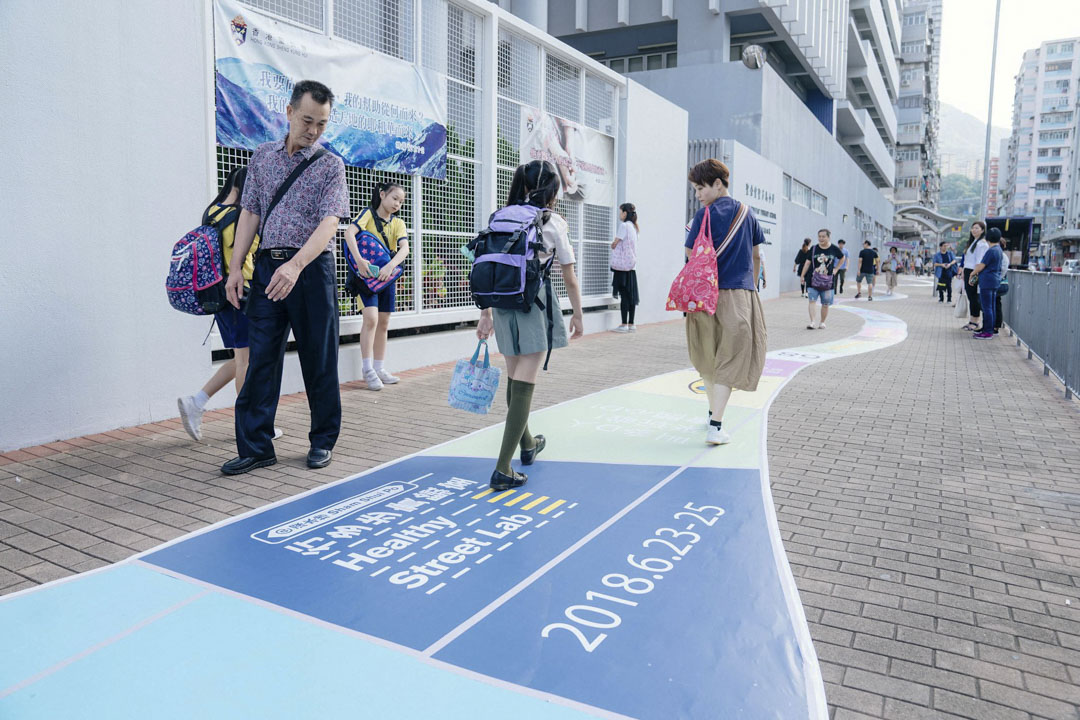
(1071, 266)
(1021, 235)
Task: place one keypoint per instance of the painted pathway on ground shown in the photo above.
(639, 574)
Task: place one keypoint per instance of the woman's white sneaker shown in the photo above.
(373, 381)
(717, 436)
(190, 416)
(387, 378)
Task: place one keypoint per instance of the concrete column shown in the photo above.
(534, 12)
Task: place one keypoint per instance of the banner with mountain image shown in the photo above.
(388, 114)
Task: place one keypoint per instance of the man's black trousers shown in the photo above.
(311, 311)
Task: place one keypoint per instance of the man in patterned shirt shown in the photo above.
(294, 284)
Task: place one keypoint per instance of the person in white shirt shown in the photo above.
(973, 255)
(623, 261)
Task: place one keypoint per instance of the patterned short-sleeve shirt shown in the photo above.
(317, 194)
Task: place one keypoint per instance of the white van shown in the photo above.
(1071, 266)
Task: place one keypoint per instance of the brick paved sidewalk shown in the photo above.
(932, 527)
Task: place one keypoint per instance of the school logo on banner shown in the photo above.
(239, 29)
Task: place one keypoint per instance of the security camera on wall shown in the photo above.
(753, 57)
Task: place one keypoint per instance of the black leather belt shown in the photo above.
(278, 253)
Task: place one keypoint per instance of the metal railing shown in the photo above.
(1042, 311)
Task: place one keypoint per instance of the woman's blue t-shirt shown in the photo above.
(735, 266)
(990, 276)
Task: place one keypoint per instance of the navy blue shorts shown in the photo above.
(233, 326)
(385, 299)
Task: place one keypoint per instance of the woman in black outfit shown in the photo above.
(800, 260)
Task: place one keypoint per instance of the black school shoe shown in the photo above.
(527, 456)
(241, 465)
(319, 458)
(507, 482)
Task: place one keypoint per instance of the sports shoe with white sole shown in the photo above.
(277, 433)
(190, 416)
(717, 436)
(373, 381)
(821, 326)
(387, 378)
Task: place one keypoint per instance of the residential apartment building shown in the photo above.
(821, 111)
(1042, 147)
(918, 166)
(991, 203)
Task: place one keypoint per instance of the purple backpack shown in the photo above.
(196, 281)
(506, 271)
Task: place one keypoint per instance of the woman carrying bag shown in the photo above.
(973, 255)
(523, 336)
(725, 323)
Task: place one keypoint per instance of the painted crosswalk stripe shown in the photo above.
(552, 506)
(470, 507)
(518, 499)
(483, 493)
(535, 502)
(500, 496)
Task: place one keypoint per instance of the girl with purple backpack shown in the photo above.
(523, 336)
(232, 323)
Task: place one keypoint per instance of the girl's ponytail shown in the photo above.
(631, 214)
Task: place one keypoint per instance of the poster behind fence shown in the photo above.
(388, 114)
(585, 157)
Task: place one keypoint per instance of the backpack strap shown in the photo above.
(736, 222)
(284, 187)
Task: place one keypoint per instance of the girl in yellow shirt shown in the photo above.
(380, 219)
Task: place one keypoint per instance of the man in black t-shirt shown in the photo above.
(819, 272)
(868, 265)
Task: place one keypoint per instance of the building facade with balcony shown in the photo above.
(991, 203)
(918, 176)
(1040, 167)
(821, 110)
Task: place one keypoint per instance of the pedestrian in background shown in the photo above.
(944, 269)
(819, 272)
(918, 266)
(800, 261)
(841, 269)
(973, 255)
(986, 275)
(294, 283)
(892, 267)
(728, 347)
(623, 263)
(868, 262)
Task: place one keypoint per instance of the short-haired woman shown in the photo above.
(727, 348)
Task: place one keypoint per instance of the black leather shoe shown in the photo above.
(319, 458)
(527, 456)
(241, 465)
(506, 482)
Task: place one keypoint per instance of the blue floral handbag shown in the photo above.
(474, 384)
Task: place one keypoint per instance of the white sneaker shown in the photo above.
(621, 329)
(373, 381)
(387, 378)
(631, 328)
(277, 433)
(821, 326)
(717, 436)
(190, 416)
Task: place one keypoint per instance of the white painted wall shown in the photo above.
(653, 159)
(108, 161)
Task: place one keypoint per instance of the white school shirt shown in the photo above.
(557, 240)
(974, 257)
(624, 256)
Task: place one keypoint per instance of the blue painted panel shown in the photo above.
(221, 657)
(710, 634)
(451, 555)
(45, 627)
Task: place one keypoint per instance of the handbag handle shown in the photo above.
(487, 354)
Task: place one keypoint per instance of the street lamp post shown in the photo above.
(989, 117)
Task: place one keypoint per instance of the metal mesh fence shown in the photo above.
(600, 109)
(562, 88)
(384, 25)
(1043, 311)
(310, 13)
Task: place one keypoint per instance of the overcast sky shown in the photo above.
(967, 39)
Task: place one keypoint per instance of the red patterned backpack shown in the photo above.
(696, 286)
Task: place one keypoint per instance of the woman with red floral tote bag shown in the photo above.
(727, 342)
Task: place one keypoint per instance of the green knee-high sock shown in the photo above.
(527, 441)
(516, 420)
